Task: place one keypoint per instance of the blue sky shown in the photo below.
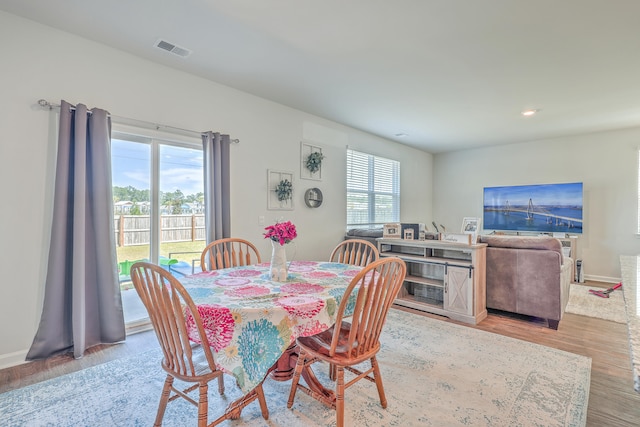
(180, 168)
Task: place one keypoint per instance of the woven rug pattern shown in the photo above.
(582, 302)
(435, 374)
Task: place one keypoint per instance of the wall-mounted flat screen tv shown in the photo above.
(544, 208)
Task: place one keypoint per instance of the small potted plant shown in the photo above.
(314, 161)
(283, 190)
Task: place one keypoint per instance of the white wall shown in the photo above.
(606, 163)
(44, 63)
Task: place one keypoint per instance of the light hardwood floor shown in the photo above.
(612, 399)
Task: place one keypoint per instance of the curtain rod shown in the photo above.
(46, 105)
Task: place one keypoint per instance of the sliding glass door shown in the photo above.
(158, 205)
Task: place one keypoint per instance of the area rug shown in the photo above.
(435, 374)
(585, 304)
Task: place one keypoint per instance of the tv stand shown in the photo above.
(448, 279)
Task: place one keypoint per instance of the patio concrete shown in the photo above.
(134, 310)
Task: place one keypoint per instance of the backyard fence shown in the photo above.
(133, 230)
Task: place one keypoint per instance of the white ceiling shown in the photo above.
(451, 74)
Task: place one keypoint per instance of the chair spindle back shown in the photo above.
(229, 252)
(355, 252)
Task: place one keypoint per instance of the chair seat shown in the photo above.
(200, 363)
(321, 342)
(320, 345)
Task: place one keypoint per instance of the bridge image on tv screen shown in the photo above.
(545, 208)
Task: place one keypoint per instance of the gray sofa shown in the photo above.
(368, 234)
(527, 275)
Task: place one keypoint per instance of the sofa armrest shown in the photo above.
(566, 272)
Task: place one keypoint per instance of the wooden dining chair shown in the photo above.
(355, 252)
(346, 344)
(229, 252)
(169, 305)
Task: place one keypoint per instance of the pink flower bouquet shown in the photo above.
(281, 232)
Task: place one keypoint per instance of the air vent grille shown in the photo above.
(170, 47)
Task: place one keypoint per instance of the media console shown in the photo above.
(448, 279)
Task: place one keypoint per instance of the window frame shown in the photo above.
(373, 191)
(154, 139)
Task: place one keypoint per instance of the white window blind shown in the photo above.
(373, 190)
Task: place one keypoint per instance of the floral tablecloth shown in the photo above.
(250, 321)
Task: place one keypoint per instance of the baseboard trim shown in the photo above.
(604, 279)
(13, 359)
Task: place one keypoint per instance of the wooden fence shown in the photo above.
(134, 229)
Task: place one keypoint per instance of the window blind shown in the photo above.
(373, 190)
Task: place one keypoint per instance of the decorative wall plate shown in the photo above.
(313, 197)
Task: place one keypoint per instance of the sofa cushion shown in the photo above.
(365, 232)
(523, 242)
(368, 234)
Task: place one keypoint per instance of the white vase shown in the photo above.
(278, 270)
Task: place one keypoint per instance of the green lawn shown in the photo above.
(135, 253)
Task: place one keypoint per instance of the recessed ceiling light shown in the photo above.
(530, 112)
(400, 135)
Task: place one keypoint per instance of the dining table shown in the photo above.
(252, 322)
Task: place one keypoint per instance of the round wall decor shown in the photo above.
(313, 197)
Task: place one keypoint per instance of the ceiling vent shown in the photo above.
(170, 47)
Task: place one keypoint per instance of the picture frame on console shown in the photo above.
(391, 231)
(471, 226)
(464, 238)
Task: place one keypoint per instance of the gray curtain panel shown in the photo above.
(217, 188)
(82, 304)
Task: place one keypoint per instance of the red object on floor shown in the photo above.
(605, 293)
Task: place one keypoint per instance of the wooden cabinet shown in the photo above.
(458, 291)
(443, 278)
